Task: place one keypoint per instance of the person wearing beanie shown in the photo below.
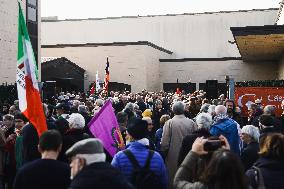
(89, 168)
(147, 113)
(266, 125)
(138, 145)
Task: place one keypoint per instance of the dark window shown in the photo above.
(32, 25)
(32, 28)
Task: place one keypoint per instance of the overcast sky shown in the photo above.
(113, 8)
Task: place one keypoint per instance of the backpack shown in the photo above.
(143, 177)
(258, 178)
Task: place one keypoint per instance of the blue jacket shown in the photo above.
(227, 128)
(158, 137)
(140, 152)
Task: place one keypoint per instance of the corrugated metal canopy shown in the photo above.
(260, 43)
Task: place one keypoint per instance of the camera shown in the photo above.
(213, 144)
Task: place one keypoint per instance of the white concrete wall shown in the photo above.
(200, 71)
(9, 40)
(139, 66)
(136, 65)
(188, 36)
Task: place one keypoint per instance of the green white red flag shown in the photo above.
(27, 79)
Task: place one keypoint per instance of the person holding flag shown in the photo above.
(106, 82)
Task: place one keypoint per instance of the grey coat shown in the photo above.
(174, 131)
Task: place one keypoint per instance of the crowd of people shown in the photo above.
(173, 141)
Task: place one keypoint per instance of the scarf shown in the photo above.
(220, 117)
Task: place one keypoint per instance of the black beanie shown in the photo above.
(137, 128)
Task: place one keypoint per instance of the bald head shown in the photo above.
(220, 109)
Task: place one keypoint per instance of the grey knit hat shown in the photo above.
(87, 146)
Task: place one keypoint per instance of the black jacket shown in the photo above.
(43, 174)
(188, 141)
(70, 138)
(249, 154)
(142, 106)
(272, 171)
(100, 175)
(30, 143)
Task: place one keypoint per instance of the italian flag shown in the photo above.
(27, 79)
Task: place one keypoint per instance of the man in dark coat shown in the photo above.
(140, 102)
(89, 169)
(254, 114)
(47, 172)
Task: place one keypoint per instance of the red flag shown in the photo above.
(92, 90)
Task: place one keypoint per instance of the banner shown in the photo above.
(104, 126)
(244, 96)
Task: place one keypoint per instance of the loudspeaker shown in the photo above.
(49, 89)
(212, 89)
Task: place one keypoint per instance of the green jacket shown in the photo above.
(19, 152)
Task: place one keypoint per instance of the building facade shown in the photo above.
(9, 35)
(147, 52)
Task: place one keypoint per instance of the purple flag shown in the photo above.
(105, 127)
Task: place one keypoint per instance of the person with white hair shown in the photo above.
(174, 131)
(130, 110)
(211, 110)
(250, 136)
(227, 127)
(74, 134)
(98, 105)
(203, 121)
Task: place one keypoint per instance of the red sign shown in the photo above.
(244, 96)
